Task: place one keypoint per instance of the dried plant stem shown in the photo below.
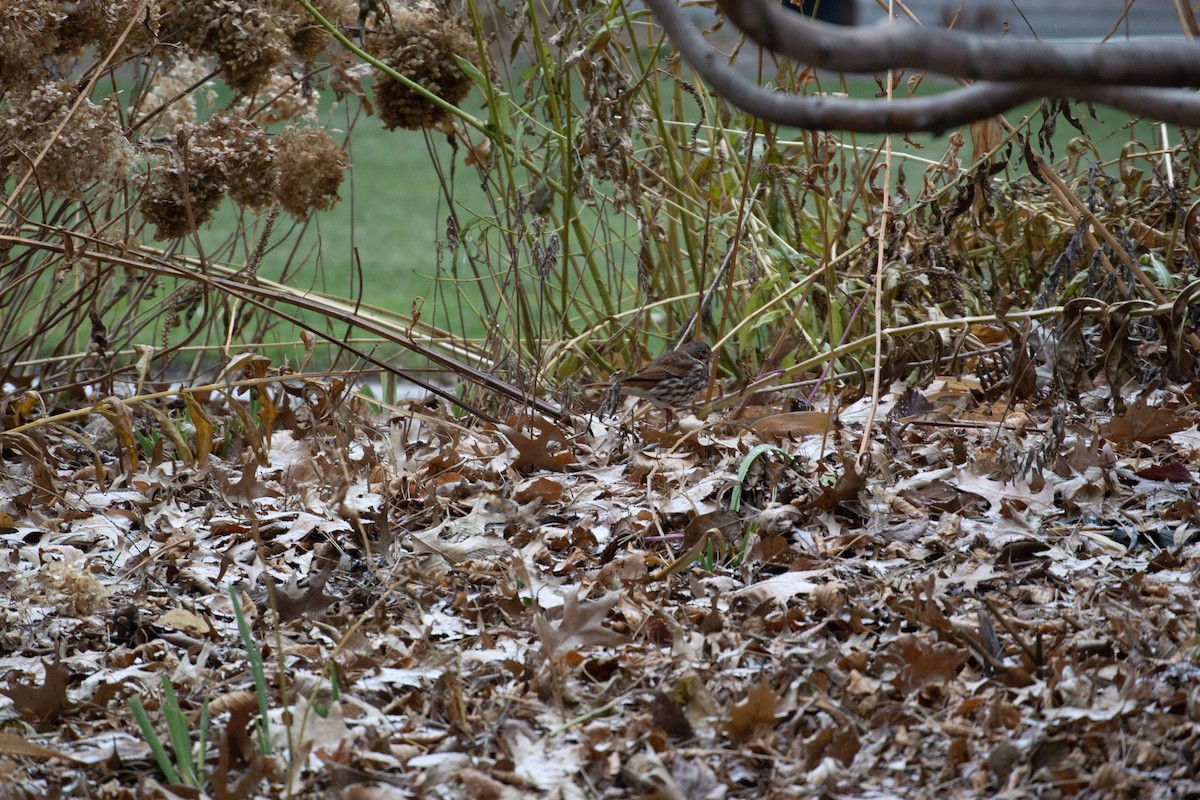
(885, 219)
(762, 384)
(261, 297)
(11, 202)
(474, 122)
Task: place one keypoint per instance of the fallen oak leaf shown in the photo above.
(1171, 471)
(794, 424)
(757, 711)
(847, 487)
(580, 625)
(539, 763)
(476, 536)
(235, 741)
(779, 589)
(1142, 422)
(533, 452)
(544, 490)
(39, 705)
(920, 660)
(301, 594)
(14, 744)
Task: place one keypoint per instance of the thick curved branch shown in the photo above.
(934, 114)
(1175, 106)
(895, 46)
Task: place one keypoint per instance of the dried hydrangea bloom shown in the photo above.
(250, 42)
(248, 158)
(307, 37)
(102, 22)
(423, 48)
(30, 36)
(175, 209)
(182, 193)
(226, 153)
(310, 167)
(248, 38)
(184, 26)
(286, 99)
(90, 147)
(168, 99)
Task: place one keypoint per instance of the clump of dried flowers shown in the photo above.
(249, 159)
(182, 192)
(30, 37)
(311, 167)
(252, 40)
(423, 47)
(172, 97)
(102, 23)
(248, 40)
(90, 146)
(226, 153)
(307, 37)
(256, 46)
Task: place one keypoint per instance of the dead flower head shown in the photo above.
(307, 37)
(31, 34)
(225, 153)
(182, 192)
(311, 167)
(248, 159)
(422, 47)
(101, 23)
(90, 147)
(248, 38)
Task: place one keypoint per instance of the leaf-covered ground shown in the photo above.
(999, 601)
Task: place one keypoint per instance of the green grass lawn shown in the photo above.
(391, 221)
(1108, 131)
(393, 209)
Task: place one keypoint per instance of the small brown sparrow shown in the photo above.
(674, 379)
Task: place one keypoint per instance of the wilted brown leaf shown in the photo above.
(1142, 422)
(14, 744)
(542, 489)
(847, 487)
(670, 717)
(533, 452)
(794, 424)
(757, 712)
(580, 625)
(921, 661)
(40, 705)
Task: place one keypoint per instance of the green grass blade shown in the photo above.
(254, 656)
(735, 498)
(202, 746)
(160, 753)
(177, 730)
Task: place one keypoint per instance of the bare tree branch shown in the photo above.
(877, 48)
(933, 114)
(1176, 106)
